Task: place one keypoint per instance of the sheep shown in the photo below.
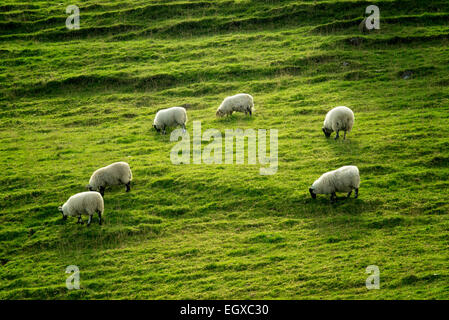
(170, 117)
(113, 174)
(87, 203)
(339, 118)
(362, 26)
(344, 179)
(241, 102)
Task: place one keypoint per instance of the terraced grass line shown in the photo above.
(73, 101)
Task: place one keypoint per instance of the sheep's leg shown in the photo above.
(333, 197)
(102, 191)
(250, 113)
(128, 186)
(99, 217)
(356, 192)
(349, 194)
(344, 138)
(80, 221)
(183, 127)
(337, 136)
(90, 220)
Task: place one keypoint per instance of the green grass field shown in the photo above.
(72, 101)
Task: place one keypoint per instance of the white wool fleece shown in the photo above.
(170, 117)
(241, 102)
(339, 118)
(113, 174)
(344, 179)
(83, 203)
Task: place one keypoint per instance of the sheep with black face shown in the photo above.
(83, 203)
(338, 119)
(170, 117)
(114, 174)
(344, 179)
(241, 102)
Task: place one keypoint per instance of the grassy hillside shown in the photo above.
(73, 101)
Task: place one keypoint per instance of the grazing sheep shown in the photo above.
(344, 179)
(339, 118)
(170, 117)
(362, 27)
(241, 102)
(86, 203)
(113, 174)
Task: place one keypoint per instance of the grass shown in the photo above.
(73, 101)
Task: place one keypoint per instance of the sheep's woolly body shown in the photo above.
(83, 203)
(344, 179)
(113, 174)
(339, 118)
(241, 102)
(170, 117)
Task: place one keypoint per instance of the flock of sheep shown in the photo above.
(91, 202)
(344, 179)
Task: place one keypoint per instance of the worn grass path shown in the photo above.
(73, 101)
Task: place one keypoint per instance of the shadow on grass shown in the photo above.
(235, 117)
(323, 206)
(341, 142)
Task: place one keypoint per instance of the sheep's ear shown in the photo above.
(60, 208)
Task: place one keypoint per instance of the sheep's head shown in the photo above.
(219, 113)
(156, 128)
(327, 132)
(64, 217)
(89, 187)
(312, 194)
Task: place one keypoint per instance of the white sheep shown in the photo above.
(170, 117)
(87, 203)
(344, 179)
(113, 174)
(241, 102)
(339, 118)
